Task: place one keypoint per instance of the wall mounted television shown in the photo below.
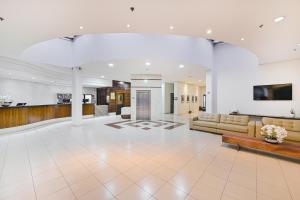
(273, 92)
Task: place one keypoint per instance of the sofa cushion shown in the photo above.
(205, 124)
(293, 136)
(233, 127)
(288, 124)
(202, 116)
(235, 119)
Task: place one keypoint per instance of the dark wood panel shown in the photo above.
(289, 149)
(18, 116)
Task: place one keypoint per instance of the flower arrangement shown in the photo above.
(5, 100)
(273, 134)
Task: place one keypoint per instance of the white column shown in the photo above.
(76, 96)
(211, 91)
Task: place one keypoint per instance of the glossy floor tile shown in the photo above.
(96, 161)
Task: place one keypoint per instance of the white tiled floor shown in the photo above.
(94, 161)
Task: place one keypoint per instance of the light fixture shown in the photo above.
(208, 31)
(128, 25)
(111, 64)
(102, 76)
(171, 27)
(33, 78)
(146, 80)
(80, 27)
(279, 19)
(242, 39)
(147, 63)
(181, 66)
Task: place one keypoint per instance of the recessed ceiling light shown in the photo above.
(208, 31)
(181, 66)
(111, 64)
(32, 78)
(147, 63)
(102, 76)
(128, 25)
(146, 80)
(279, 19)
(242, 39)
(171, 27)
(81, 27)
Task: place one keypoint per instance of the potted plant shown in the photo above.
(273, 134)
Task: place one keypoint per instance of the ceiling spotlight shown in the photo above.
(146, 80)
(128, 25)
(111, 64)
(80, 27)
(102, 76)
(242, 39)
(181, 66)
(147, 63)
(171, 27)
(209, 31)
(279, 19)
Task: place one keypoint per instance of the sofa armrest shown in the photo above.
(191, 121)
(259, 125)
(251, 128)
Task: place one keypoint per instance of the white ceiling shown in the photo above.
(32, 21)
(170, 71)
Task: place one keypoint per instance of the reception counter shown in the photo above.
(19, 116)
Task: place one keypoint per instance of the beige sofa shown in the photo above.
(221, 124)
(292, 127)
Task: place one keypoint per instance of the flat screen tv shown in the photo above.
(273, 92)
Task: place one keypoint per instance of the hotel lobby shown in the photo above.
(149, 100)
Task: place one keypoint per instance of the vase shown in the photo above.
(273, 141)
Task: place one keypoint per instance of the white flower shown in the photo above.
(274, 132)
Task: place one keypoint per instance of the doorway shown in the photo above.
(120, 102)
(143, 105)
(171, 103)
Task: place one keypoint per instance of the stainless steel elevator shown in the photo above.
(143, 105)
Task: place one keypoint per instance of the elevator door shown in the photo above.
(143, 105)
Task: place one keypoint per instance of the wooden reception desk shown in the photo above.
(18, 116)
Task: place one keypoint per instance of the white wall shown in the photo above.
(167, 90)
(34, 93)
(238, 71)
(186, 89)
(121, 46)
(155, 86)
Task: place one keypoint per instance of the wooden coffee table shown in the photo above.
(288, 149)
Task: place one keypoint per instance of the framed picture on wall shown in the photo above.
(182, 98)
(188, 98)
(112, 96)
